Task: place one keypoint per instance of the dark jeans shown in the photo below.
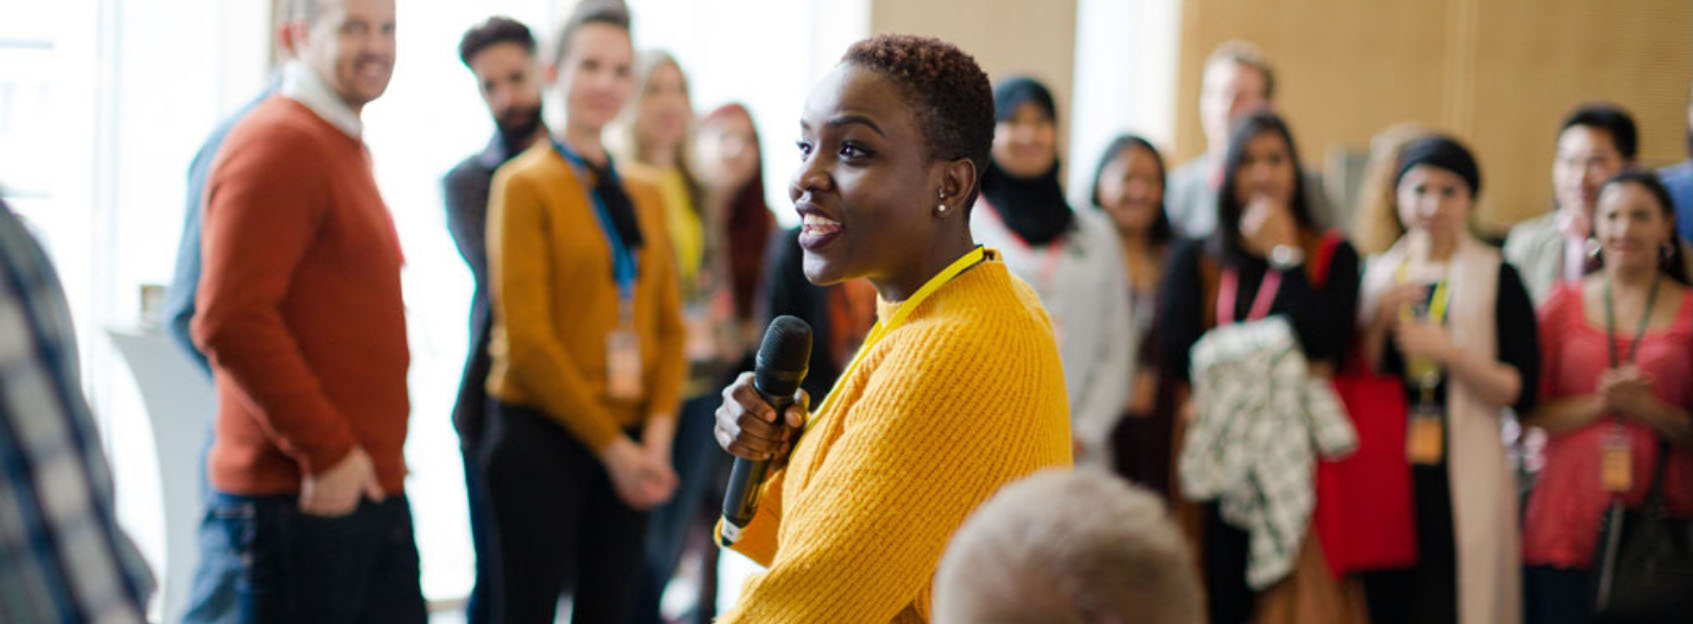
(1557, 596)
(482, 540)
(562, 528)
(296, 567)
(469, 413)
(697, 459)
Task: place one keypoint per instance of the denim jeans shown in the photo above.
(296, 567)
(211, 598)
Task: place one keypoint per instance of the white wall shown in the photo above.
(1125, 80)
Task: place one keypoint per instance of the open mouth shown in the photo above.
(817, 230)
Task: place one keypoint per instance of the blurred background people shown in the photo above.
(1375, 225)
(301, 316)
(1678, 180)
(1594, 143)
(587, 349)
(1237, 82)
(1281, 263)
(1064, 254)
(501, 53)
(1617, 351)
(1128, 187)
(1444, 313)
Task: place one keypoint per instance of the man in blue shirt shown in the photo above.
(213, 594)
(1678, 179)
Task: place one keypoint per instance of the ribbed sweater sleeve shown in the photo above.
(519, 268)
(264, 208)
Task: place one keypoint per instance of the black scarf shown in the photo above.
(609, 188)
(1033, 208)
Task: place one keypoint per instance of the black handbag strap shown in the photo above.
(1655, 494)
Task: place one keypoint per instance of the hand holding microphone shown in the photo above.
(747, 426)
(762, 413)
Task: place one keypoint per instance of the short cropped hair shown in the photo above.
(951, 94)
(1248, 54)
(495, 30)
(1068, 546)
(1612, 120)
(608, 12)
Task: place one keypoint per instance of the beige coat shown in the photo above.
(1484, 500)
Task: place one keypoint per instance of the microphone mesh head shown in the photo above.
(784, 356)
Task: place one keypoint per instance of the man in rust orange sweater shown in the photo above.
(301, 317)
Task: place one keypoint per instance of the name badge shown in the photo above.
(623, 364)
(1616, 466)
(1425, 437)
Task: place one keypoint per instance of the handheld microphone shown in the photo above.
(781, 366)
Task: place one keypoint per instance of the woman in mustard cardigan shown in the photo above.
(586, 349)
(956, 392)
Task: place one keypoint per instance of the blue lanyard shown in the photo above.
(623, 266)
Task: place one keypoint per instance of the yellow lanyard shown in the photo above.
(1436, 304)
(1422, 372)
(881, 329)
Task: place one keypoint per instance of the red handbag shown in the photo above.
(1364, 516)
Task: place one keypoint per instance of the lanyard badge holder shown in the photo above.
(1425, 435)
(622, 344)
(1616, 461)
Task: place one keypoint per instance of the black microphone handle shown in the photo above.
(740, 503)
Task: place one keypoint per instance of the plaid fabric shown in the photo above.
(62, 556)
(1260, 420)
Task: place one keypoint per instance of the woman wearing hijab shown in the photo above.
(1067, 256)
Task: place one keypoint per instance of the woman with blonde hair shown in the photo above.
(716, 235)
(1375, 225)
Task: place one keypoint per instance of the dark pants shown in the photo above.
(482, 540)
(469, 413)
(562, 528)
(1425, 593)
(297, 567)
(1557, 596)
(1228, 598)
(697, 459)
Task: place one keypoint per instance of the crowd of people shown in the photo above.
(1217, 346)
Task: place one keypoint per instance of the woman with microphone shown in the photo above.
(957, 391)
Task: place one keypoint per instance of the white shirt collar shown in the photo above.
(301, 84)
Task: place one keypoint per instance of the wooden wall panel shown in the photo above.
(1499, 73)
(1007, 37)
